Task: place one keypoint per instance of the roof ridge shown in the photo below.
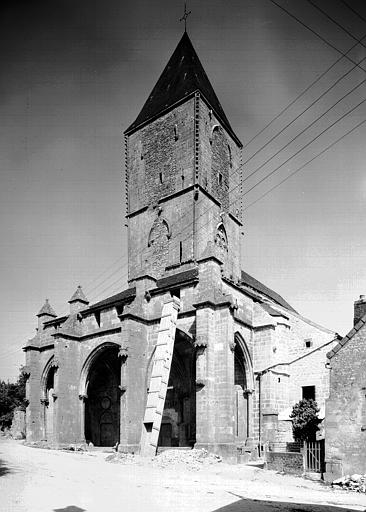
(347, 337)
(253, 283)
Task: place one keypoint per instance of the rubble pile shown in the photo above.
(354, 482)
(122, 458)
(188, 459)
(192, 459)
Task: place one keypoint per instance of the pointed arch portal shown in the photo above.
(178, 427)
(102, 397)
(244, 385)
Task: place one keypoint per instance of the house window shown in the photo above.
(308, 343)
(308, 392)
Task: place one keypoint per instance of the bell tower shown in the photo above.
(183, 175)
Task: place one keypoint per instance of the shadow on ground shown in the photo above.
(70, 508)
(4, 470)
(250, 505)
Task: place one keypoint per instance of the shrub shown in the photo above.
(305, 420)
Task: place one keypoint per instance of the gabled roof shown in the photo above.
(181, 78)
(79, 296)
(47, 309)
(251, 282)
(347, 337)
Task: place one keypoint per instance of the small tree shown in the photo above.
(305, 420)
(12, 395)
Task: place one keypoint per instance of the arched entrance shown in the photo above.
(178, 427)
(48, 398)
(102, 400)
(243, 381)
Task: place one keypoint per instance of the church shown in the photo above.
(195, 352)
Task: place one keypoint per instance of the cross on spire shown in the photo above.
(185, 16)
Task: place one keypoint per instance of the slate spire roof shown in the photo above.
(47, 309)
(79, 296)
(181, 78)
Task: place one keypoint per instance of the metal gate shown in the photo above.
(314, 455)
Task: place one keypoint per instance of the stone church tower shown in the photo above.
(195, 352)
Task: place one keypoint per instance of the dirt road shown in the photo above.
(36, 480)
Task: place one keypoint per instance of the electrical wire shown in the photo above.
(304, 165)
(331, 45)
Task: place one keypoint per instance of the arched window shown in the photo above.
(221, 238)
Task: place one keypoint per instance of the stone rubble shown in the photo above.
(354, 482)
(188, 459)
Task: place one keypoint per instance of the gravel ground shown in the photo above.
(38, 480)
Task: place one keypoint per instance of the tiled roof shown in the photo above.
(114, 299)
(47, 309)
(271, 311)
(178, 279)
(79, 296)
(182, 76)
(251, 282)
(347, 337)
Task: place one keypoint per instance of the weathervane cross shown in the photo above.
(185, 16)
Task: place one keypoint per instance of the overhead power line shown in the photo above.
(331, 45)
(305, 164)
(333, 20)
(305, 110)
(304, 130)
(302, 93)
(353, 10)
(306, 145)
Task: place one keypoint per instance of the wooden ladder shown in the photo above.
(156, 394)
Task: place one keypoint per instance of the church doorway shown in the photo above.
(49, 404)
(178, 426)
(243, 381)
(102, 406)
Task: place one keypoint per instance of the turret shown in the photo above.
(78, 301)
(45, 313)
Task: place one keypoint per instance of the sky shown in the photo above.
(73, 77)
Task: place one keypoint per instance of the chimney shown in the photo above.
(359, 309)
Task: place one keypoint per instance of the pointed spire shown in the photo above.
(182, 77)
(47, 310)
(79, 296)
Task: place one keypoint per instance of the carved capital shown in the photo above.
(200, 383)
(201, 342)
(83, 397)
(122, 388)
(123, 354)
(44, 401)
(55, 363)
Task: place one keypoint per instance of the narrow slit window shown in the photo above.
(180, 252)
(161, 177)
(219, 179)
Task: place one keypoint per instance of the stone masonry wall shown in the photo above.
(160, 157)
(345, 425)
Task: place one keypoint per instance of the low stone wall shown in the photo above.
(288, 462)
